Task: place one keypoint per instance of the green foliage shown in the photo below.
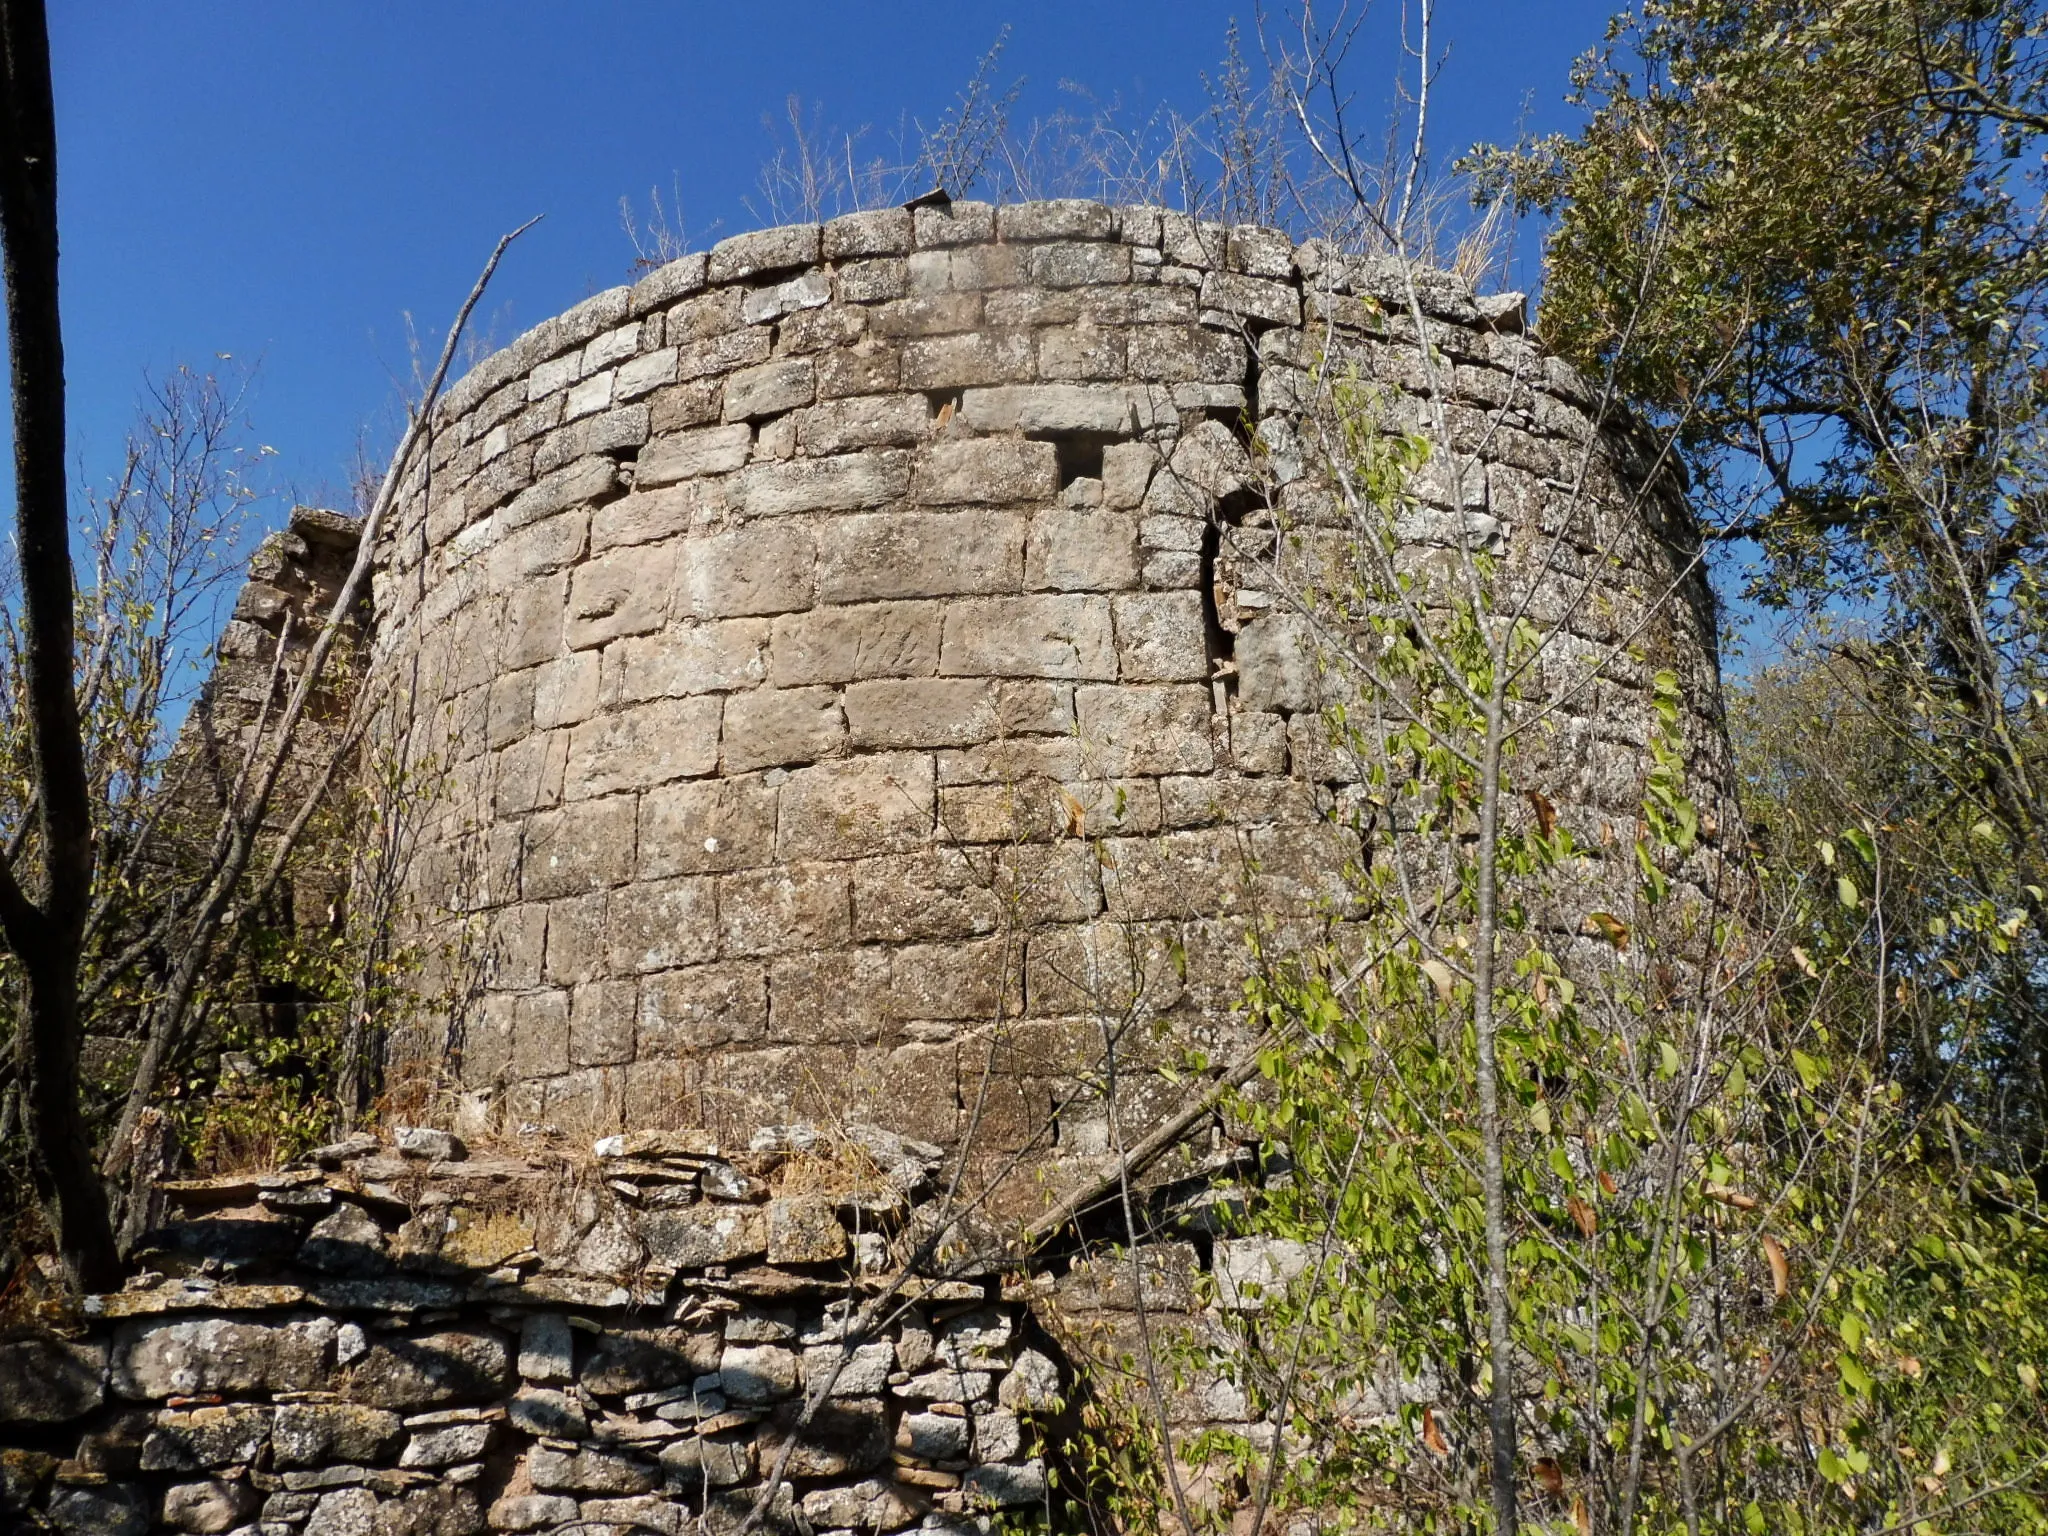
(1751, 1287)
(1807, 238)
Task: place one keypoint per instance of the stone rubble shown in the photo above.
(428, 1353)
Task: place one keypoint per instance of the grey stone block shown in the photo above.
(766, 250)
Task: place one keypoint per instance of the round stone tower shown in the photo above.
(834, 690)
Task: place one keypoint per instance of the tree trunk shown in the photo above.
(45, 927)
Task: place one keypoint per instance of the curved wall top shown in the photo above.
(783, 630)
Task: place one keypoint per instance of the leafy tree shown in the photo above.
(1807, 239)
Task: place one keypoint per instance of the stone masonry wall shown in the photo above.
(848, 696)
(409, 1341)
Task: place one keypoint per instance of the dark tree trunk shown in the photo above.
(45, 925)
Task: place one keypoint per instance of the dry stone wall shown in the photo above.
(407, 1340)
(846, 692)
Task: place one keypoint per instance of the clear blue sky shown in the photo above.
(284, 181)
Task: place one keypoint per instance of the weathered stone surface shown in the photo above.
(532, 1511)
(860, 671)
(218, 1355)
(1006, 1486)
(590, 1471)
(1162, 637)
(922, 712)
(770, 389)
(638, 1360)
(804, 1229)
(846, 1436)
(445, 1445)
(105, 1510)
(867, 805)
(719, 1461)
(757, 571)
(540, 1412)
(48, 1380)
(313, 1434)
(833, 484)
(839, 645)
(1060, 636)
(995, 470)
(206, 1437)
(427, 1370)
(1082, 550)
(869, 1505)
(687, 455)
(757, 1373)
(883, 555)
(208, 1507)
(767, 250)
(864, 1372)
(774, 727)
(1147, 729)
(347, 1241)
(547, 1348)
(1032, 1385)
(624, 592)
(439, 1510)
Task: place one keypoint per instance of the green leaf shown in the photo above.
(1854, 1377)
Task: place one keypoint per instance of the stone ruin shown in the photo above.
(843, 683)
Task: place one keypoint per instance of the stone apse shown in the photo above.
(838, 689)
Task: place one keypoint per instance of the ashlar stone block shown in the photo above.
(836, 996)
(942, 894)
(687, 455)
(1058, 219)
(1105, 408)
(773, 302)
(643, 745)
(601, 1020)
(773, 727)
(770, 389)
(533, 624)
(700, 1008)
(776, 911)
(857, 808)
(624, 592)
(659, 925)
(692, 659)
(1147, 730)
(838, 645)
(1082, 549)
(707, 828)
(991, 470)
(645, 516)
(918, 554)
(1161, 637)
(582, 847)
(540, 1034)
(877, 232)
(1064, 636)
(864, 421)
(751, 571)
(951, 362)
(842, 483)
(765, 250)
(921, 712)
